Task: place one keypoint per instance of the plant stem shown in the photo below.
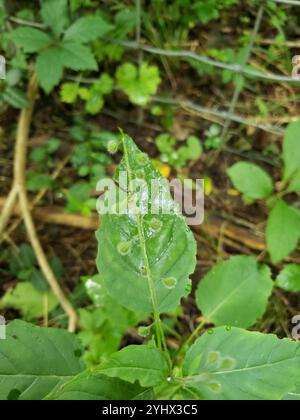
(191, 337)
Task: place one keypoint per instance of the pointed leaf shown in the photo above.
(49, 69)
(295, 183)
(241, 365)
(86, 29)
(143, 363)
(291, 149)
(34, 361)
(289, 278)
(283, 231)
(77, 57)
(54, 14)
(15, 97)
(90, 386)
(140, 254)
(30, 39)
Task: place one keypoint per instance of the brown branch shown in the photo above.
(19, 191)
(56, 215)
(33, 203)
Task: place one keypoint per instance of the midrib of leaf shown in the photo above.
(246, 369)
(159, 330)
(33, 375)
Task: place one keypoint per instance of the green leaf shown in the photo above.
(105, 84)
(25, 298)
(94, 104)
(13, 77)
(69, 92)
(54, 14)
(138, 83)
(194, 148)
(78, 197)
(34, 361)
(24, 258)
(30, 39)
(142, 363)
(138, 254)
(77, 57)
(251, 180)
(88, 28)
(295, 183)
(49, 69)
(291, 149)
(289, 278)
(241, 365)
(293, 395)
(283, 231)
(37, 181)
(105, 326)
(15, 97)
(92, 386)
(235, 292)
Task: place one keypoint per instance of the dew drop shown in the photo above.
(213, 357)
(210, 332)
(228, 328)
(215, 386)
(170, 282)
(124, 248)
(156, 224)
(112, 147)
(142, 159)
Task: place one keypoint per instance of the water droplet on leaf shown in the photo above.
(210, 332)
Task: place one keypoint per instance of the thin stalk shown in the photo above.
(191, 337)
(239, 86)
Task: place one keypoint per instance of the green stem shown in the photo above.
(191, 337)
(157, 320)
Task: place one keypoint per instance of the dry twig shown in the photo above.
(19, 193)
